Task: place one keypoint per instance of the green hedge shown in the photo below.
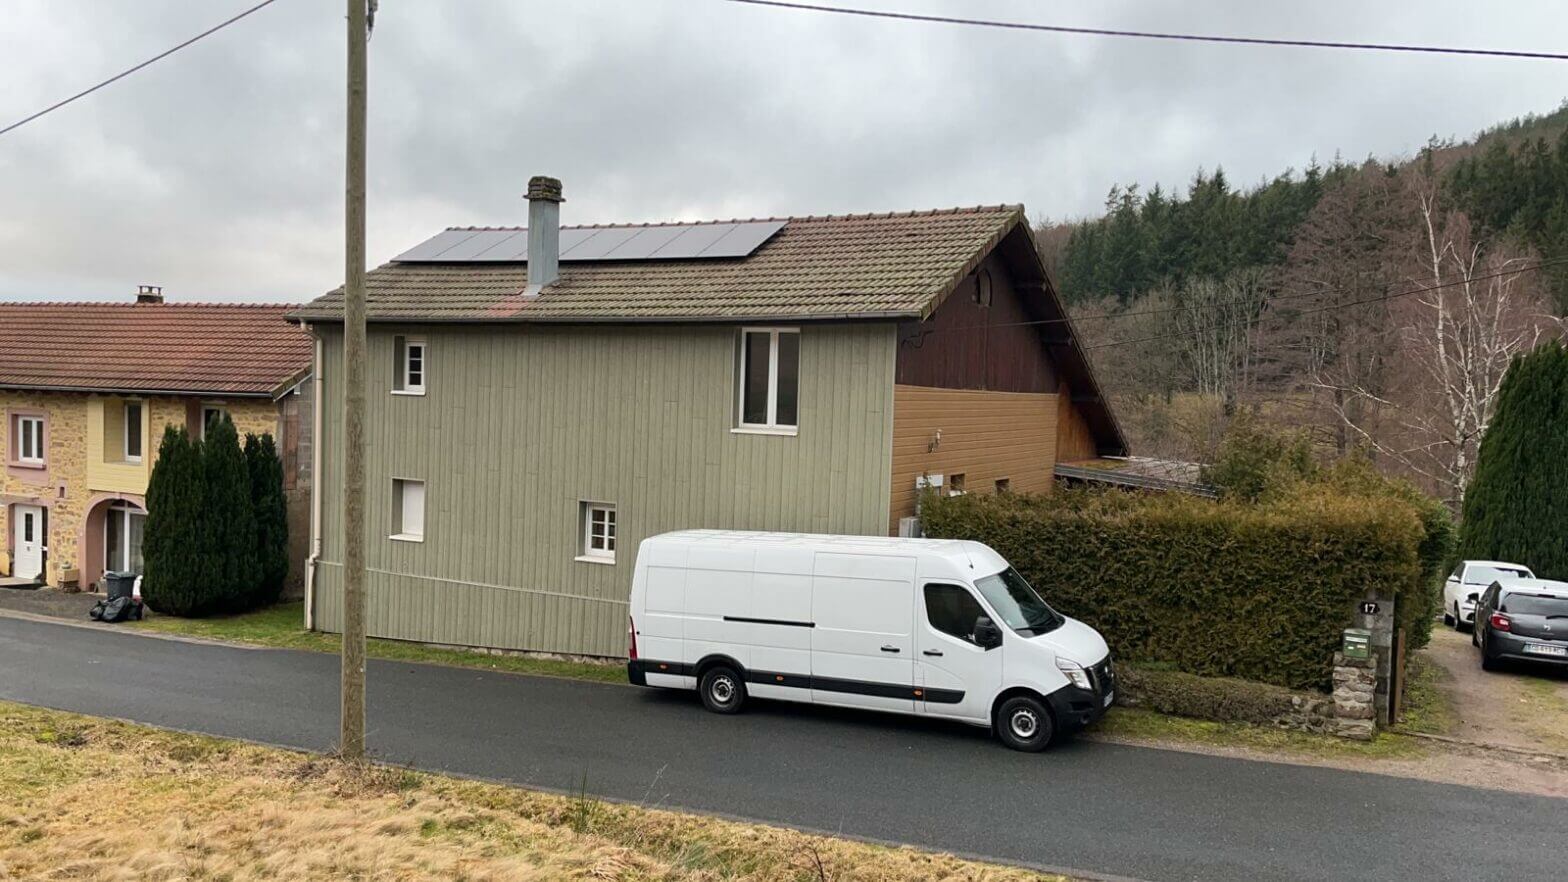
(1260, 592)
(1224, 699)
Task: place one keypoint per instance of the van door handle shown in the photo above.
(890, 648)
(932, 652)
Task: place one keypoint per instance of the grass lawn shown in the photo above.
(282, 626)
(1138, 724)
(1428, 709)
(88, 798)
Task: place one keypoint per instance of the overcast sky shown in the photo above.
(217, 172)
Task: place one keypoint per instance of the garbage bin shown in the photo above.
(118, 584)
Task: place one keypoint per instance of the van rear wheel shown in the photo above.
(723, 690)
(1024, 724)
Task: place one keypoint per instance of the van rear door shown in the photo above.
(862, 651)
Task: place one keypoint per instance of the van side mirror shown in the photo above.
(987, 634)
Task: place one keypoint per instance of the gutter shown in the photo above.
(124, 390)
(885, 315)
(315, 484)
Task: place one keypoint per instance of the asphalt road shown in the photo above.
(1105, 809)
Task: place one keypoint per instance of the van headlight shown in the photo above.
(1075, 673)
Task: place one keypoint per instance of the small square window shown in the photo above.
(211, 416)
(1004, 485)
(27, 440)
(598, 520)
(408, 371)
(955, 484)
(408, 510)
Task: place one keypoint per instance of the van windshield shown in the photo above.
(1019, 605)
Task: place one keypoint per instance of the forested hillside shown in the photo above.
(1374, 305)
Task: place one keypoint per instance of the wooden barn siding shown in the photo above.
(976, 347)
(521, 423)
(985, 436)
(1074, 439)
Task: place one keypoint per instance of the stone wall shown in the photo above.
(1356, 697)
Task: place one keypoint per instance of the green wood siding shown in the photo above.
(520, 424)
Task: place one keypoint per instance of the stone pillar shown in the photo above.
(1381, 624)
(1355, 697)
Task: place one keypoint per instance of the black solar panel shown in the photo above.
(585, 244)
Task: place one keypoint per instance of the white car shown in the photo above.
(1468, 581)
(938, 628)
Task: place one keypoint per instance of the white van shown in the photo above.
(940, 628)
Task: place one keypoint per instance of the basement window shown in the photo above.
(768, 380)
(1004, 485)
(408, 510)
(408, 366)
(598, 519)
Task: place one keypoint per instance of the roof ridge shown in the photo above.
(870, 215)
(204, 304)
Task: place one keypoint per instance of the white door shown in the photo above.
(862, 652)
(956, 677)
(28, 540)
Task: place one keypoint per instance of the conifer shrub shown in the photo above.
(174, 581)
(1516, 507)
(265, 469)
(227, 543)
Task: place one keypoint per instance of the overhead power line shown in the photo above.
(1331, 307)
(130, 70)
(1151, 35)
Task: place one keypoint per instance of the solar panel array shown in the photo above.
(581, 244)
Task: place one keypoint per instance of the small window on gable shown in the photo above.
(211, 416)
(598, 521)
(133, 431)
(769, 379)
(1004, 485)
(408, 368)
(27, 440)
(408, 510)
(983, 287)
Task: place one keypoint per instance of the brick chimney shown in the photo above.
(149, 294)
(544, 233)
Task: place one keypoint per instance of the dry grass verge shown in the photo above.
(88, 798)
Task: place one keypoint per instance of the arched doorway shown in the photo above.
(112, 538)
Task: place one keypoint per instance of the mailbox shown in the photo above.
(1358, 643)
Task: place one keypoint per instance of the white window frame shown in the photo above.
(587, 553)
(221, 409)
(29, 431)
(400, 509)
(772, 426)
(121, 512)
(125, 430)
(408, 387)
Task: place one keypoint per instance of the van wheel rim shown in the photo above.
(1024, 723)
(722, 690)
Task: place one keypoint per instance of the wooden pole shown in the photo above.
(351, 739)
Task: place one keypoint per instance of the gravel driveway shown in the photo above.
(1519, 706)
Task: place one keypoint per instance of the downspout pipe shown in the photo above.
(315, 483)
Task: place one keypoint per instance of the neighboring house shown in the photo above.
(86, 390)
(540, 401)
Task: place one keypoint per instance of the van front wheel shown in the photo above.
(1023, 723)
(723, 690)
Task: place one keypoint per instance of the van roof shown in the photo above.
(960, 551)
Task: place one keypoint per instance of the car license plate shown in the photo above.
(1543, 649)
(1109, 697)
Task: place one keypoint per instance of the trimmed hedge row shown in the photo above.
(1219, 589)
(1223, 699)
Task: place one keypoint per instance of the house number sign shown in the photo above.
(1369, 608)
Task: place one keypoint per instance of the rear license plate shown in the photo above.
(1543, 649)
(1109, 697)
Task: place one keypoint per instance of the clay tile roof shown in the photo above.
(893, 265)
(151, 347)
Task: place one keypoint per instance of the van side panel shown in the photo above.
(718, 581)
(661, 622)
(861, 646)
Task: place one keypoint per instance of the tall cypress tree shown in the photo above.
(1516, 508)
(271, 511)
(228, 539)
(174, 581)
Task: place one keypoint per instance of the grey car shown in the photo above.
(1522, 620)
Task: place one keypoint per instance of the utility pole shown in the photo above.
(351, 738)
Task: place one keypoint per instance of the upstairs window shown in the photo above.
(983, 288)
(27, 440)
(211, 416)
(408, 367)
(598, 532)
(133, 431)
(408, 510)
(769, 379)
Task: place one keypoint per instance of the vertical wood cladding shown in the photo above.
(1074, 438)
(985, 436)
(969, 345)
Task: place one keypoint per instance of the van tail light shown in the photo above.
(631, 637)
(1500, 622)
